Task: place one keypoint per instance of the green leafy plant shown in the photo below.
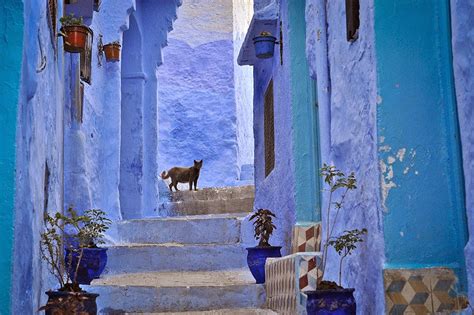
(74, 232)
(263, 226)
(115, 42)
(339, 185)
(345, 244)
(92, 232)
(52, 246)
(70, 20)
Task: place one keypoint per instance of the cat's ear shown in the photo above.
(200, 162)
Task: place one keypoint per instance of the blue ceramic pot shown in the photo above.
(331, 302)
(264, 46)
(92, 264)
(256, 260)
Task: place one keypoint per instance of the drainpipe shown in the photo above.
(323, 80)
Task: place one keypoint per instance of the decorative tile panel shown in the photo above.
(421, 291)
(286, 280)
(306, 238)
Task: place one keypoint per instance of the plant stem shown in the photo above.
(337, 212)
(325, 247)
(340, 268)
(78, 264)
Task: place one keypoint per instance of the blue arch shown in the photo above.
(11, 41)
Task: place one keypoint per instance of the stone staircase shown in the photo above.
(189, 263)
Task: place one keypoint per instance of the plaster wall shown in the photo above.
(102, 150)
(92, 148)
(243, 81)
(11, 19)
(347, 103)
(198, 108)
(39, 141)
(419, 148)
(276, 191)
(462, 15)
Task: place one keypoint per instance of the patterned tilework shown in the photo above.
(421, 291)
(287, 277)
(306, 238)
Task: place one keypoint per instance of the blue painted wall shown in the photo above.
(346, 78)
(39, 141)
(277, 190)
(200, 110)
(422, 186)
(305, 120)
(93, 159)
(11, 39)
(462, 13)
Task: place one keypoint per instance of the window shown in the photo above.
(53, 24)
(47, 174)
(79, 103)
(352, 19)
(86, 59)
(269, 130)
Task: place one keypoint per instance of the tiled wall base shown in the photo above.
(421, 291)
(306, 238)
(286, 280)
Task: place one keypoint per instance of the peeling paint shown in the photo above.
(401, 154)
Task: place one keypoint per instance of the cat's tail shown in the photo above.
(164, 175)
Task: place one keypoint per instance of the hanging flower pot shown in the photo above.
(264, 45)
(112, 51)
(75, 34)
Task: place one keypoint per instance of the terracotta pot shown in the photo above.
(65, 303)
(112, 52)
(75, 38)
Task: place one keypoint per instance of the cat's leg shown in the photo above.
(190, 184)
(171, 186)
(176, 186)
(195, 183)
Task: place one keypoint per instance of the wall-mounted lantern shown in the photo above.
(264, 45)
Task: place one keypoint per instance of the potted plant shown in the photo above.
(84, 258)
(69, 298)
(112, 51)
(75, 33)
(264, 45)
(331, 297)
(258, 255)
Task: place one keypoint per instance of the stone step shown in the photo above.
(217, 206)
(178, 292)
(220, 193)
(233, 311)
(196, 229)
(174, 257)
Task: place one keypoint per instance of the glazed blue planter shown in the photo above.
(264, 46)
(256, 258)
(92, 264)
(331, 302)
